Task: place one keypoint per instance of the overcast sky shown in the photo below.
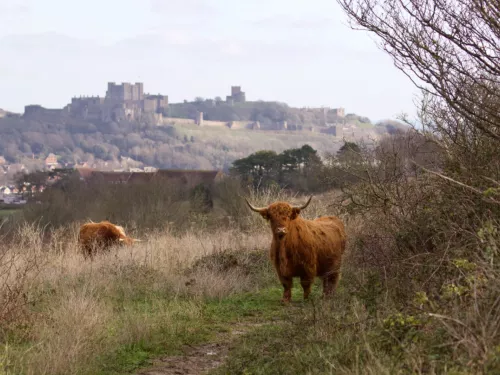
(294, 51)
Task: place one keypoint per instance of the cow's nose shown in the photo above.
(281, 232)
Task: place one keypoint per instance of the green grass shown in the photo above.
(211, 322)
(137, 314)
(213, 318)
(7, 212)
(271, 326)
(293, 338)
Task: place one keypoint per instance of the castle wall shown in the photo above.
(37, 110)
(163, 102)
(339, 112)
(155, 103)
(178, 121)
(239, 125)
(149, 105)
(220, 124)
(335, 130)
(235, 125)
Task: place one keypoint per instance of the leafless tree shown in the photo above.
(450, 49)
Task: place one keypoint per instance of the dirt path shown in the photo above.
(199, 359)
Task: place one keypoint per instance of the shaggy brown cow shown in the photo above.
(101, 236)
(304, 248)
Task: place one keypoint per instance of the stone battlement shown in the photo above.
(123, 101)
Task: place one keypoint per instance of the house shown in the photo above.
(51, 160)
(16, 168)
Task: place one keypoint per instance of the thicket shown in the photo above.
(428, 200)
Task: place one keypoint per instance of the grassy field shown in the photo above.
(108, 317)
(6, 212)
(245, 142)
(113, 316)
(208, 301)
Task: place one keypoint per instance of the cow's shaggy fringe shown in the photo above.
(73, 319)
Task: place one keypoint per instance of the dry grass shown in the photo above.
(67, 315)
(62, 314)
(63, 310)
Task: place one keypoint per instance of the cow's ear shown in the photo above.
(295, 213)
(264, 214)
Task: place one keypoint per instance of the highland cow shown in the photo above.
(101, 236)
(304, 248)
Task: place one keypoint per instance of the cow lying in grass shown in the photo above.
(304, 248)
(99, 237)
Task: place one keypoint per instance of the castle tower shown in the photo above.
(199, 119)
(235, 90)
(127, 91)
(140, 90)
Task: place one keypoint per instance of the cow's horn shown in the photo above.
(305, 205)
(256, 209)
(136, 240)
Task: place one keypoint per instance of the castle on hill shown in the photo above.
(127, 101)
(123, 101)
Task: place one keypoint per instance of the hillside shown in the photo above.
(27, 139)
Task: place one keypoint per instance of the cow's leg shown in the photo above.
(306, 283)
(287, 283)
(330, 282)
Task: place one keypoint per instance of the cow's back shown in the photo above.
(102, 234)
(315, 243)
(333, 219)
(332, 248)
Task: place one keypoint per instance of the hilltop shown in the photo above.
(147, 130)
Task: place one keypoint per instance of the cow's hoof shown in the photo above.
(285, 301)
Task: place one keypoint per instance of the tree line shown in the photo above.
(299, 169)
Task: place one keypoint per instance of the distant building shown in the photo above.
(199, 119)
(51, 160)
(337, 130)
(125, 91)
(339, 112)
(125, 101)
(237, 96)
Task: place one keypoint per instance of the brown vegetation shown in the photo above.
(60, 315)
